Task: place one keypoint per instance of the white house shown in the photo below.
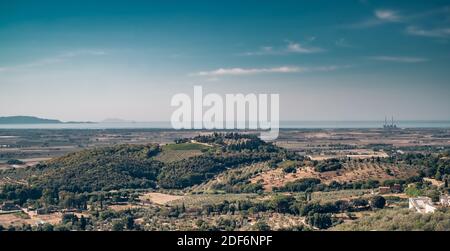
(444, 200)
(422, 204)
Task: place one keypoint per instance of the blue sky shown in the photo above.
(328, 60)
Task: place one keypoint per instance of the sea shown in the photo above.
(283, 124)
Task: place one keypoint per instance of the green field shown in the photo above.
(185, 147)
(176, 152)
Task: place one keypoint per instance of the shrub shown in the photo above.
(377, 202)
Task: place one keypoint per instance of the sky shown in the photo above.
(328, 60)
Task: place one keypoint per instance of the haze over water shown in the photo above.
(283, 124)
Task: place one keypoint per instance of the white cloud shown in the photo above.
(290, 48)
(436, 33)
(387, 15)
(380, 17)
(298, 48)
(253, 71)
(263, 50)
(384, 16)
(400, 59)
(247, 71)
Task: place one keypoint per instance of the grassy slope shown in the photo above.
(177, 152)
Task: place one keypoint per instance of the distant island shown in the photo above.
(33, 120)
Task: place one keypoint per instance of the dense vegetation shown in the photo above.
(432, 165)
(198, 169)
(313, 184)
(125, 166)
(400, 220)
(328, 165)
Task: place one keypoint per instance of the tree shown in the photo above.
(438, 175)
(322, 221)
(46, 227)
(118, 226)
(377, 202)
(359, 202)
(262, 226)
(69, 218)
(342, 205)
(290, 169)
(413, 191)
(50, 197)
(130, 223)
(83, 223)
(281, 203)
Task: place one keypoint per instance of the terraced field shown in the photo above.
(196, 200)
(353, 171)
(232, 176)
(331, 196)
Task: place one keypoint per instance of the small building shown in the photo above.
(422, 205)
(384, 190)
(444, 200)
(46, 210)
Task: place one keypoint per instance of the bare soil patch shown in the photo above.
(159, 198)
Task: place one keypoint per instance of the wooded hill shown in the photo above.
(136, 166)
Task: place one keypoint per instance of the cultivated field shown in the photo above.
(196, 200)
(159, 198)
(352, 171)
(230, 176)
(177, 152)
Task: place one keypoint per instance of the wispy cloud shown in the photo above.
(399, 59)
(54, 59)
(388, 15)
(263, 50)
(435, 33)
(290, 48)
(380, 16)
(254, 71)
(299, 48)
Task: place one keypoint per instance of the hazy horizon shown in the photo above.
(120, 120)
(322, 124)
(349, 61)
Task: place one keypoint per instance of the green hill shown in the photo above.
(124, 166)
(140, 166)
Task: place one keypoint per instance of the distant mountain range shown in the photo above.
(32, 120)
